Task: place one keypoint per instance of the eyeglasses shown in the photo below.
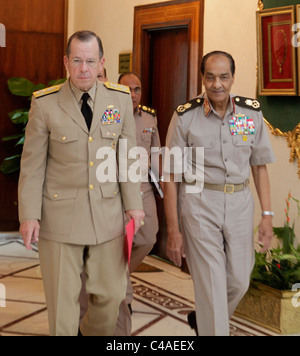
(78, 62)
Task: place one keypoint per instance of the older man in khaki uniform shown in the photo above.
(147, 137)
(62, 202)
(217, 223)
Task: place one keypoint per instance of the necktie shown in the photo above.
(86, 110)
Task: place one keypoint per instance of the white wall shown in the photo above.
(228, 25)
(112, 20)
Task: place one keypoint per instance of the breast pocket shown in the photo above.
(145, 141)
(111, 132)
(242, 148)
(64, 144)
(207, 142)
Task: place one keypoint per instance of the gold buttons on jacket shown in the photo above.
(63, 138)
(91, 139)
(55, 196)
(91, 164)
(91, 187)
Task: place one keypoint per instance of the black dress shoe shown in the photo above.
(192, 322)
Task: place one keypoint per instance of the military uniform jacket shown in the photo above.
(147, 136)
(58, 182)
(231, 145)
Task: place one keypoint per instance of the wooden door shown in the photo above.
(167, 81)
(35, 42)
(167, 54)
(167, 88)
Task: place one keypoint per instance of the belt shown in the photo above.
(227, 188)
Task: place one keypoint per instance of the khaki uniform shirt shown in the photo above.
(229, 151)
(61, 165)
(147, 136)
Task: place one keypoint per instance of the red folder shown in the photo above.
(129, 239)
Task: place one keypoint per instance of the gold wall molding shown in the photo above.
(293, 141)
(260, 5)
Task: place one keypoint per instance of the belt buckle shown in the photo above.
(229, 188)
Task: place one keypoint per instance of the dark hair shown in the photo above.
(85, 36)
(123, 75)
(229, 56)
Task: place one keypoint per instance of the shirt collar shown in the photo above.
(78, 93)
(208, 108)
(138, 112)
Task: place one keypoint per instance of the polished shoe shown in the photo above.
(192, 322)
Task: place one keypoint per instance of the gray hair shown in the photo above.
(85, 36)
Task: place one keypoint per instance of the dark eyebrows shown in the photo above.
(222, 75)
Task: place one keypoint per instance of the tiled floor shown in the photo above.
(163, 296)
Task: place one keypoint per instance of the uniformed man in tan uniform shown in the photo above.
(78, 220)
(147, 136)
(217, 223)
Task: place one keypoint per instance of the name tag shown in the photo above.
(241, 125)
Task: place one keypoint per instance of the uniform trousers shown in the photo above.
(219, 246)
(105, 268)
(143, 243)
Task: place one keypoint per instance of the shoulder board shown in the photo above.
(148, 110)
(47, 91)
(182, 109)
(247, 103)
(118, 87)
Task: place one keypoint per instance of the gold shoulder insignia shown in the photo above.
(182, 109)
(47, 91)
(118, 87)
(247, 103)
(148, 110)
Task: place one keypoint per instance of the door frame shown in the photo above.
(167, 15)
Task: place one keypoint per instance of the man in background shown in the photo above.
(147, 136)
(102, 76)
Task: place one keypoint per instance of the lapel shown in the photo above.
(102, 101)
(67, 102)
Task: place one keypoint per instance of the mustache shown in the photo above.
(217, 91)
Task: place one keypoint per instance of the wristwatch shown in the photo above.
(268, 213)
